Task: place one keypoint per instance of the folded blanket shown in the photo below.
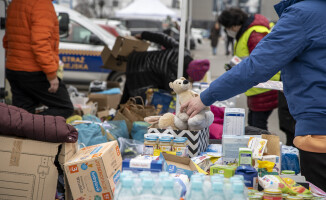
(18, 122)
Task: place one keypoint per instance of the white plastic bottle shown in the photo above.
(238, 191)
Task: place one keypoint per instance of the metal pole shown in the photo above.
(182, 43)
(189, 24)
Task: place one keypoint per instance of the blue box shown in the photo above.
(142, 165)
(178, 165)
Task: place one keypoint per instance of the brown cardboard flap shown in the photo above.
(125, 45)
(273, 144)
(116, 59)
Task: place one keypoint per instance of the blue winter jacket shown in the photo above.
(297, 47)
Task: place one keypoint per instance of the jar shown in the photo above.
(255, 197)
(306, 196)
(272, 194)
(180, 146)
(294, 198)
(285, 196)
(290, 172)
(150, 144)
(165, 144)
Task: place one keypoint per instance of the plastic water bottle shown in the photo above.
(227, 190)
(147, 190)
(168, 190)
(217, 191)
(196, 191)
(238, 191)
(126, 192)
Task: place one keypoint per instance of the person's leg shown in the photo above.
(259, 119)
(35, 86)
(20, 97)
(312, 167)
(59, 103)
(214, 50)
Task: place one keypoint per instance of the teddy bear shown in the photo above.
(203, 119)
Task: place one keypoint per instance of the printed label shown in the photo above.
(148, 150)
(116, 177)
(117, 150)
(96, 150)
(134, 163)
(73, 169)
(165, 148)
(245, 159)
(106, 196)
(181, 151)
(96, 182)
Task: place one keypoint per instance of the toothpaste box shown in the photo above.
(93, 172)
(143, 163)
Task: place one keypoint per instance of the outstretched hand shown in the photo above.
(193, 106)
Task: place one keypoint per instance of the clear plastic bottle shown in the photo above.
(196, 191)
(168, 192)
(238, 191)
(126, 191)
(217, 191)
(227, 190)
(147, 189)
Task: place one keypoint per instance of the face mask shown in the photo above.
(232, 34)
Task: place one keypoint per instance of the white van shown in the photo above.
(81, 50)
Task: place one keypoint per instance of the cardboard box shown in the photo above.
(178, 165)
(94, 170)
(27, 168)
(116, 59)
(68, 150)
(197, 140)
(105, 101)
(234, 121)
(227, 170)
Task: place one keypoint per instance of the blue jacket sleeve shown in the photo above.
(277, 49)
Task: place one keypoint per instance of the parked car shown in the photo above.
(111, 25)
(80, 50)
(139, 25)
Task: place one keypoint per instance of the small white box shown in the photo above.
(234, 121)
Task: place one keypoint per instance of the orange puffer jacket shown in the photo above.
(32, 37)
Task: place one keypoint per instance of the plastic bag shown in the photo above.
(130, 148)
(290, 159)
(287, 185)
(117, 128)
(139, 129)
(91, 134)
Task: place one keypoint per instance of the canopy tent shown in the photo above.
(146, 9)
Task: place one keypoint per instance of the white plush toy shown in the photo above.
(202, 120)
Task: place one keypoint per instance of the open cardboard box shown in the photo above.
(106, 101)
(27, 168)
(116, 59)
(179, 165)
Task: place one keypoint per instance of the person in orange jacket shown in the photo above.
(32, 57)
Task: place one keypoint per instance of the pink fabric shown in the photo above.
(197, 69)
(216, 129)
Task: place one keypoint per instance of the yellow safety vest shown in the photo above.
(241, 50)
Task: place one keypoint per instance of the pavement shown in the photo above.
(204, 51)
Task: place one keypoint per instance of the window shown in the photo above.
(77, 34)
